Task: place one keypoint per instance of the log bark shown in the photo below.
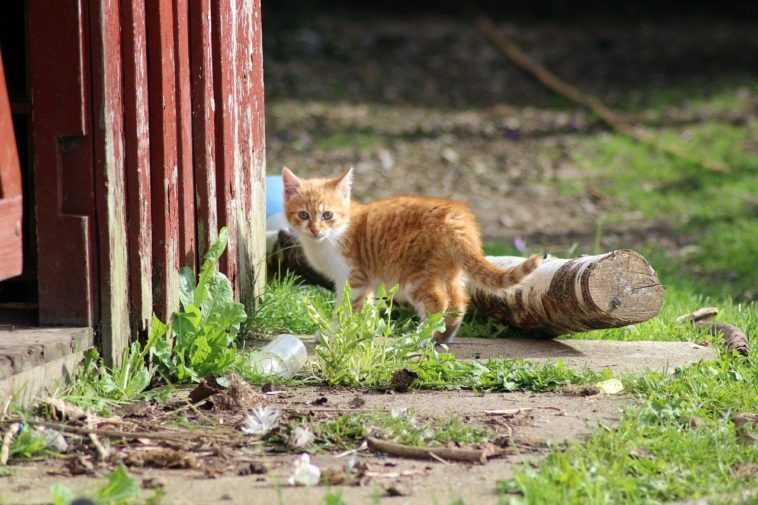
(562, 296)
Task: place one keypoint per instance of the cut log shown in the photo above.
(562, 296)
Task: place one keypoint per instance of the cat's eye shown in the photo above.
(303, 215)
(327, 215)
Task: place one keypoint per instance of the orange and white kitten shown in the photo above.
(431, 248)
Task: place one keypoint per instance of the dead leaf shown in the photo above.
(747, 472)
(253, 468)
(580, 390)
(402, 380)
(80, 465)
(356, 403)
(641, 453)
(742, 422)
(610, 386)
(238, 397)
(338, 477)
(155, 482)
(694, 422)
(396, 489)
(213, 471)
(204, 390)
(65, 410)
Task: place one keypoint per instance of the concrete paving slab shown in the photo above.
(619, 356)
(633, 356)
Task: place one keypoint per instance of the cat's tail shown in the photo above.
(486, 276)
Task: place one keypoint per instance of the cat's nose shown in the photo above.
(314, 230)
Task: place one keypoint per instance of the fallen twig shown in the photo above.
(449, 454)
(443, 461)
(703, 314)
(734, 338)
(488, 28)
(125, 434)
(306, 409)
(394, 475)
(102, 453)
(5, 449)
(507, 412)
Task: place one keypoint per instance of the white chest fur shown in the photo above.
(326, 258)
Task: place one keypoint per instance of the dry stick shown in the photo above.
(102, 453)
(5, 449)
(123, 434)
(734, 338)
(550, 80)
(449, 454)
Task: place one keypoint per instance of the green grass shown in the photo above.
(655, 454)
(284, 308)
(349, 431)
(713, 216)
(367, 348)
(682, 461)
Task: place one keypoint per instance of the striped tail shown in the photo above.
(488, 277)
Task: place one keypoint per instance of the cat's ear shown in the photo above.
(344, 182)
(291, 183)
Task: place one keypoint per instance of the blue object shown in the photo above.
(274, 194)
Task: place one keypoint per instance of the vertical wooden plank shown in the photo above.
(203, 120)
(224, 39)
(11, 202)
(63, 168)
(250, 177)
(137, 147)
(258, 164)
(107, 101)
(164, 155)
(240, 157)
(184, 135)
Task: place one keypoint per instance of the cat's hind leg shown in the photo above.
(454, 313)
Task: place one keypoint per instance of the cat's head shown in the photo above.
(317, 209)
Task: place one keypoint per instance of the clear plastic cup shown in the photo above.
(284, 356)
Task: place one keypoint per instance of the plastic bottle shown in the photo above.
(283, 356)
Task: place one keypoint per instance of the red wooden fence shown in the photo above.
(134, 178)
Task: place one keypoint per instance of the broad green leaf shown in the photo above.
(61, 494)
(186, 324)
(119, 487)
(213, 255)
(611, 386)
(215, 292)
(138, 382)
(161, 352)
(186, 286)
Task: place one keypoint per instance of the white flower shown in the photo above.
(260, 421)
(302, 437)
(304, 473)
